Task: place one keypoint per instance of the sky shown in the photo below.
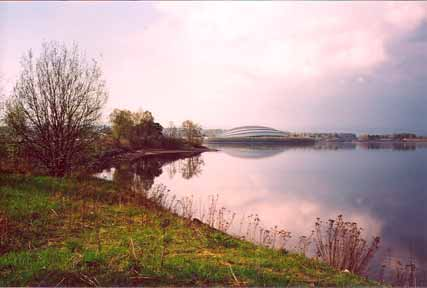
(296, 66)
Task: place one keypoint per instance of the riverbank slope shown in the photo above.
(89, 232)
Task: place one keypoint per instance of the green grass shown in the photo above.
(88, 232)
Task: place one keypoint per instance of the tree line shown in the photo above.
(52, 119)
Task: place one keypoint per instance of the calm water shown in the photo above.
(383, 189)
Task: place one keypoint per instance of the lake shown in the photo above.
(381, 187)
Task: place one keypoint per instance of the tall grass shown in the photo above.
(4, 230)
(338, 243)
(219, 217)
(401, 273)
(341, 245)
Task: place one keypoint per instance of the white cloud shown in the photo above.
(281, 38)
(227, 54)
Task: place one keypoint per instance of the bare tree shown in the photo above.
(55, 106)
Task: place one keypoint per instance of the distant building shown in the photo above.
(331, 137)
(253, 131)
(212, 132)
(257, 134)
(346, 137)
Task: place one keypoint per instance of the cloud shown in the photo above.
(282, 39)
(227, 54)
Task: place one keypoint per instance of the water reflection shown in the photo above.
(334, 145)
(370, 145)
(263, 150)
(140, 175)
(250, 150)
(392, 145)
(191, 166)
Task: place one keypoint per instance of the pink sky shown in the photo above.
(288, 65)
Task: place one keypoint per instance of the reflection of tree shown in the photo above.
(146, 170)
(334, 145)
(404, 146)
(123, 175)
(191, 166)
(171, 168)
(389, 145)
(139, 176)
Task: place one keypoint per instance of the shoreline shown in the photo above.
(134, 156)
(108, 237)
(116, 157)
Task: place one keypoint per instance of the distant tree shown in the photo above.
(192, 132)
(172, 131)
(122, 124)
(146, 131)
(138, 129)
(402, 136)
(171, 138)
(55, 106)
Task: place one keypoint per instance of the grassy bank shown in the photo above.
(89, 233)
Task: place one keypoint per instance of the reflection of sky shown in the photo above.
(385, 191)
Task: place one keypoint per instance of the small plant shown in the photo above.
(404, 275)
(73, 245)
(221, 239)
(280, 238)
(134, 265)
(304, 243)
(93, 259)
(165, 240)
(225, 219)
(399, 274)
(4, 229)
(213, 202)
(184, 207)
(340, 244)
